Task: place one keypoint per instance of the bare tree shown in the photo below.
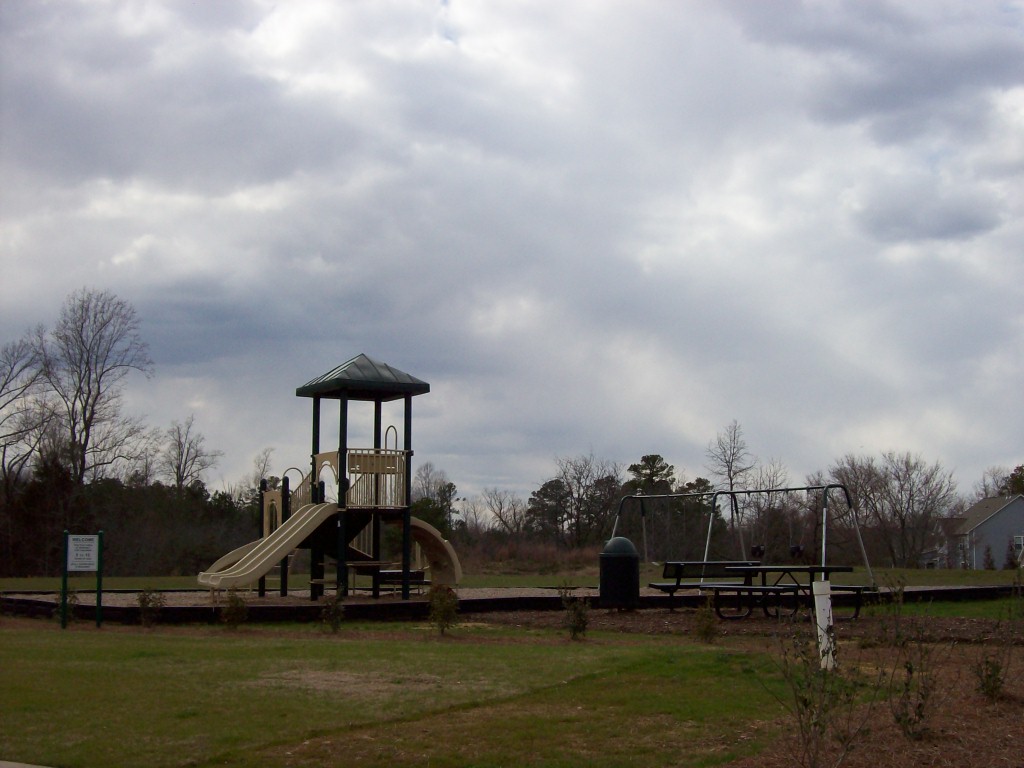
(85, 359)
(592, 487)
(507, 509)
(991, 480)
(23, 416)
(185, 457)
(731, 462)
(771, 516)
(429, 482)
(474, 520)
(902, 496)
(260, 471)
(728, 457)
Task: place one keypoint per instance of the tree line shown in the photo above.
(900, 501)
(72, 459)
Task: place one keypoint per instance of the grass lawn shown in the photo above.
(396, 695)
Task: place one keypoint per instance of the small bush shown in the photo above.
(892, 628)
(911, 699)
(444, 607)
(150, 605)
(235, 611)
(333, 613)
(72, 604)
(577, 613)
(830, 708)
(913, 684)
(706, 626)
(990, 675)
(1010, 561)
(992, 670)
(988, 560)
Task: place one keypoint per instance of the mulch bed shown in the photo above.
(960, 727)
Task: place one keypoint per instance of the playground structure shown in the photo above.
(374, 490)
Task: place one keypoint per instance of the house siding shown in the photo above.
(995, 531)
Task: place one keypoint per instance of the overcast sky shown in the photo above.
(592, 227)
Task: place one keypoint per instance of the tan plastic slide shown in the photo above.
(444, 563)
(245, 565)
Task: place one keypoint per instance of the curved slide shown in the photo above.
(444, 563)
(248, 563)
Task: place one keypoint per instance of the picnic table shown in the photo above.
(779, 589)
(692, 574)
(738, 586)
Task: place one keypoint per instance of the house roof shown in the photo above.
(983, 510)
(363, 378)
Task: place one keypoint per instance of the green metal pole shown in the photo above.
(64, 586)
(99, 581)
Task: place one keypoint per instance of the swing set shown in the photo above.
(734, 497)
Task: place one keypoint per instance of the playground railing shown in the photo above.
(377, 478)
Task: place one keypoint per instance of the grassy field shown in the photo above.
(394, 694)
(406, 696)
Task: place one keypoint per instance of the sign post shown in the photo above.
(82, 554)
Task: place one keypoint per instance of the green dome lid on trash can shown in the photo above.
(620, 547)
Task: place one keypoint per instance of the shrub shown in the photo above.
(707, 626)
(577, 612)
(992, 670)
(333, 613)
(825, 704)
(988, 560)
(912, 680)
(1010, 561)
(990, 674)
(235, 611)
(444, 607)
(72, 604)
(910, 701)
(150, 605)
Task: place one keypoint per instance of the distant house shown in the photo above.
(941, 548)
(991, 524)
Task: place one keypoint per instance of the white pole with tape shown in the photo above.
(823, 621)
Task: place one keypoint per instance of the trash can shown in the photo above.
(620, 574)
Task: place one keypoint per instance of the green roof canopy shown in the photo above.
(363, 378)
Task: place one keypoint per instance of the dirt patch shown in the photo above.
(368, 685)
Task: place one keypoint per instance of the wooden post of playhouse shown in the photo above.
(286, 510)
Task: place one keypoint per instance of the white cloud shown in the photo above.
(590, 226)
